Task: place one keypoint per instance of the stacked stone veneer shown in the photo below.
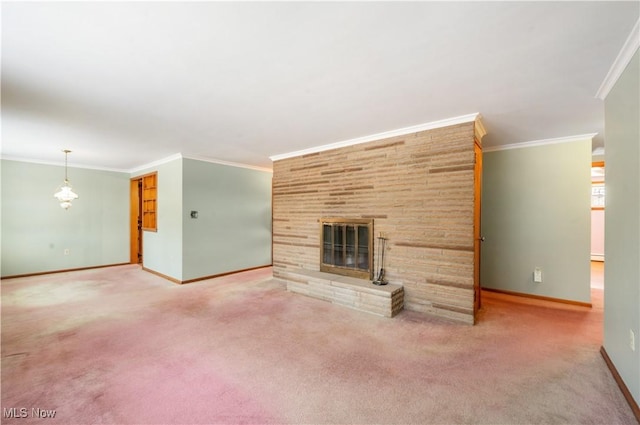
(357, 294)
(418, 188)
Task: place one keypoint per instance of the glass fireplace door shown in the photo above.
(347, 247)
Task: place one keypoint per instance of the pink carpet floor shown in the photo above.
(122, 346)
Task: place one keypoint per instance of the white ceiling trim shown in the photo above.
(534, 143)
(61, 164)
(138, 169)
(378, 136)
(155, 163)
(230, 164)
(629, 48)
(176, 156)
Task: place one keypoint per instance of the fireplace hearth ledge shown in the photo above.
(357, 294)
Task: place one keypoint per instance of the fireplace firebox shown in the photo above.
(346, 247)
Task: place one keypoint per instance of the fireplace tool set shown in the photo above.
(380, 279)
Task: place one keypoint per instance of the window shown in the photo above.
(150, 202)
(597, 185)
(597, 196)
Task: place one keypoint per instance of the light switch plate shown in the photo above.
(537, 275)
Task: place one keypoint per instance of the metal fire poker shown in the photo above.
(380, 280)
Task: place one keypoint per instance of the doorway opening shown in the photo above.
(135, 221)
(597, 222)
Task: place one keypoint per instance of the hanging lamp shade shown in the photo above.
(65, 193)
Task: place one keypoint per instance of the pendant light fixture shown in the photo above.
(65, 194)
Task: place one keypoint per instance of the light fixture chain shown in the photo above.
(66, 154)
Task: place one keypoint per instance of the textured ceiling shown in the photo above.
(126, 84)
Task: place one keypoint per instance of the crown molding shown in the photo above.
(176, 156)
(378, 136)
(479, 129)
(228, 163)
(543, 142)
(153, 164)
(138, 169)
(61, 164)
(629, 48)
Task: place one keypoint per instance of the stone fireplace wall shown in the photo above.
(418, 188)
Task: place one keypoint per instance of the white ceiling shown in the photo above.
(126, 84)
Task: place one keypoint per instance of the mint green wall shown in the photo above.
(622, 225)
(233, 228)
(536, 213)
(36, 230)
(162, 250)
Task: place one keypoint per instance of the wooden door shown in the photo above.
(477, 237)
(135, 222)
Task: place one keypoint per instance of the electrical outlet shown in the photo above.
(66, 251)
(632, 340)
(537, 275)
